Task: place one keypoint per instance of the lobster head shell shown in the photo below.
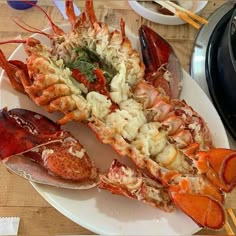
(162, 66)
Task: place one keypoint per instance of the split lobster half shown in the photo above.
(93, 75)
(194, 175)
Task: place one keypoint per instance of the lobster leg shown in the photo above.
(10, 69)
(163, 69)
(17, 71)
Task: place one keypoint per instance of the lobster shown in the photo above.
(93, 75)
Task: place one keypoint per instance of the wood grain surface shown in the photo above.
(17, 196)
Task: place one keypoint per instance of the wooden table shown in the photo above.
(17, 196)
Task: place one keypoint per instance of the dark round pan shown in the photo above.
(221, 70)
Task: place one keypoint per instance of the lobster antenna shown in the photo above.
(29, 30)
(122, 27)
(90, 11)
(70, 11)
(55, 28)
(38, 30)
(13, 41)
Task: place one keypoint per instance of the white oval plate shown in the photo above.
(146, 9)
(99, 210)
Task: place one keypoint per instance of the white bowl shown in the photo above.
(146, 10)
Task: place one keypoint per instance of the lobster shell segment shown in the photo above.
(162, 66)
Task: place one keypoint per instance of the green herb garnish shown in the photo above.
(87, 61)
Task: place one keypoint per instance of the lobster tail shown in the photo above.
(201, 209)
(223, 164)
(200, 199)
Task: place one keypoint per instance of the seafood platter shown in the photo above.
(103, 129)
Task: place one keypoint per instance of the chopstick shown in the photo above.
(228, 228)
(186, 15)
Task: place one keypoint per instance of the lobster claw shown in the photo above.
(18, 126)
(163, 69)
(34, 147)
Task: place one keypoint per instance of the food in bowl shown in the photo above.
(149, 10)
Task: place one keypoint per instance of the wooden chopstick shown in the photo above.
(232, 215)
(186, 15)
(191, 14)
(228, 228)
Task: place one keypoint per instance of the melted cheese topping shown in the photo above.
(76, 153)
(45, 154)
(130, 180)
(127, 120)
(154, 193)
(167, 76)
(119, 88)
(150, 141)
(168, 154)
(99, 104)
